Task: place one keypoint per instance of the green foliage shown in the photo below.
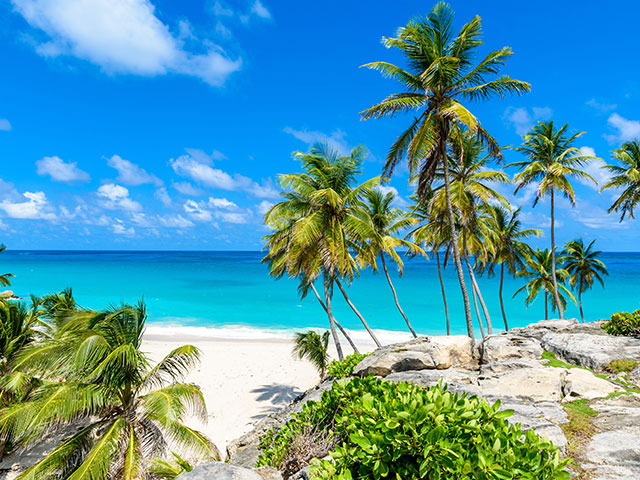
(552, 361)
(625, 179)
(387, 430)
(623, 323)
(344, 368)
(621, 366)
(313, 347)
(163, 469)
(579, 429)
(4, 278)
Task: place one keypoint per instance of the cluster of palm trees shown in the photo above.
(329, 226)
(81, 374)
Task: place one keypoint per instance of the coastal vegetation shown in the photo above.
(623, 323)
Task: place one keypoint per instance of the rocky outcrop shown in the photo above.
(579, 383)
(225, 471)
(504, 348)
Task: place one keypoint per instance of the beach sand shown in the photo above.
(242, 380)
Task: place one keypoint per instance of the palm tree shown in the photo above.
(626, 177)
(163, 469)
(385, 222)
(505, 234)
(551, 160)
(313, 347)
(4, 278)
(538, 271)
(440, 74)
(583, 267)
(95, 375)
(320, 212)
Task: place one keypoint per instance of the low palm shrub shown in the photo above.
(344, 368)
(623, 323)
(385, 430)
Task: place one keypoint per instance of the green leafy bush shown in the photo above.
(385, 430)
(344, 368)
(623, 323)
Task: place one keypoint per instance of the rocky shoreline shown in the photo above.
(550, 373)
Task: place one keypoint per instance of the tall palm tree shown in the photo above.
(583, 267)
(505, 234)
(551, 160)
(95, 375)
(4, 278)
(320, 212)
(440, 74)
(538, 271)
(386, 221)
(626, 177)
(313, 347)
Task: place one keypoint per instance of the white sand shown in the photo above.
(242, 380)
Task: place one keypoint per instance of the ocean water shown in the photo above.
(232, 291)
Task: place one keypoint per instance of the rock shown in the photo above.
(268, 473)
(508, 365)
(500, 348)
(580, 383)
(301, 475)
(223, 471)
(429, 378)
(420, 354)
(592, 351)
(539, 329)
(529, 384)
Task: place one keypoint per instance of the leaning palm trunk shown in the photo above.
(553, 260)
(332, 321)
(444, 297)
(546, 308)
(504, 316)
(454, 239)
(580, 300)
(475, 303)
(395, 296)
(476, 289)
(342, 330)
(355, 310)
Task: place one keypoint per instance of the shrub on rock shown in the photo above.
(623, 323)
(344, 368)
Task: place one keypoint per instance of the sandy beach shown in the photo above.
(242, 379)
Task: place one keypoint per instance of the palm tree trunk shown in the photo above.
(395, 296)
(355, 310)
(553, 259)
(504, 317)
(342, 330)
(332, 321)
(454, 237)
(546, 308)
(444, 297)
(580, 300)
(477, 291)
(475, 303)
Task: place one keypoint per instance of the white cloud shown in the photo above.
(198, 166)
(153, 221)
(186, 188)
(131, 174)
(602, 107)
(335, 140)
(175, 221)
(263, 207)
(627, 129)
(238, 218)
(221, 203)
(162, 195)
(60, 171)
(36, 206)
(5, 125)
(119, 229)
(257, 10)
(117, 197)
(523, 120)
(122, 36)
(592, 216)
(197, 212)
(594, 168)
(260, 10)
(398, 200)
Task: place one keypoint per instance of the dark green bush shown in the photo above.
(344, 368)
(402, 431)
(623, 323)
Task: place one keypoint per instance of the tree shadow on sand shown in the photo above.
(278, 394)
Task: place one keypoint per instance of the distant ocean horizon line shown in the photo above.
(77, 250)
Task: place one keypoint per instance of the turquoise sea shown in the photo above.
(233, 289)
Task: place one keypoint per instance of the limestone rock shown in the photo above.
(429, 378)
(539, 329)
(529, 384)
(500, 348)
(222, 471)
(580, 383)
(508, 365)
(420, 354)
(592, 351)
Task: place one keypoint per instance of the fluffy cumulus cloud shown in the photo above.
(60, 171)
(625, 129)
(162, 195)
(131, 174)
(197, 211)
(5, 125)
(186, 188)
(221, 203)
(216, 208)
(199, 167)
(33, 205)
(336, 139)
(523, 119)
(116, 197)
(594, 168)
(264, 206)
(119, 228)
(122, 36)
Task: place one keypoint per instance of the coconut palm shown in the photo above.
(385, 222)
(583, 267)
(625, 177)
(95, 377)
(538, 271)
(440, 75)
(552, 159)
(163, 469)
(320, 213)
(314, 348)
(504, 232)
(4, 278)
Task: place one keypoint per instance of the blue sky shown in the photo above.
(152, 124)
